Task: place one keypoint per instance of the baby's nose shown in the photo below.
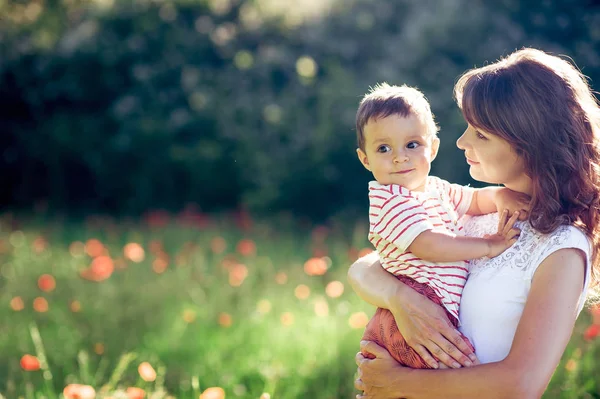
(400, 158)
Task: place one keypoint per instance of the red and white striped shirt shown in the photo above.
(397, 216)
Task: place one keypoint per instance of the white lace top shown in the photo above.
(496, 290)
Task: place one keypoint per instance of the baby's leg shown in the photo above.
(383, 330)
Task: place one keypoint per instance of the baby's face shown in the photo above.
(399, 150)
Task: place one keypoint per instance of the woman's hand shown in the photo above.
(423, 324)
(427, 329)
(376, 376)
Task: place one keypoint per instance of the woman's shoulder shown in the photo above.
(564, 236)
(567, 233)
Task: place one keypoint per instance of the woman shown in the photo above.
(533, 126)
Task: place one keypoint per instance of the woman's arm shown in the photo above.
(423, 324)
(541, 337)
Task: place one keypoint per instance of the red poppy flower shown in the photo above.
(591, 332)
(246, 247)
(135, 393)
(46, 283)
(78, 391)
(30, 363)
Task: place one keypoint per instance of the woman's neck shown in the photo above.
(524, 185)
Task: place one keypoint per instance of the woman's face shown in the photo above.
(493, 160)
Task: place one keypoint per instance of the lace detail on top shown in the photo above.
(527, 253)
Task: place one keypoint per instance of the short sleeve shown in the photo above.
(459, 196)
(566, 237)
(400, 220)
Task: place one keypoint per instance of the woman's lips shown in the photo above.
(471, 162)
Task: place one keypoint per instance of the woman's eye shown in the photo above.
(413, 145)
(384, 148)
(480, 136)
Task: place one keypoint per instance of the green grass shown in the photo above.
(178, 320)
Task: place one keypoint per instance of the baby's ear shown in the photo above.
(362, 157)
(435, 146)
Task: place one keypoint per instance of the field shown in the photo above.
(188, 306)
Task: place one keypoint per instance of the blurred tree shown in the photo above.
(123, 106)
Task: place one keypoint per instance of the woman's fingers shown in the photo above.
(460, 350)
(373, 348)
(359, 385)
(359, 358)
(426, 356)
(454, 350)
(443, 357)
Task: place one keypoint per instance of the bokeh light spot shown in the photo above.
(147, 372)
(306, 67)
(94, 248)
(189, 316)
(218, 245)
(46, 283)
(134, 252)
(263, 306)
(75, 306)
(334, 289)
(225, 320)
(246, 247)
(99, 348)
(302, 291)
(213, 393)
(243, 59)
(321, 307)
(77, 249)
(17, 304)
(168, 12)
(237, 275)
(287, 319)
(281, 278)
(358, 320)
(17, 238)
(315, 266)
(40, 305)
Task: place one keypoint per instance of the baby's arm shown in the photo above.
(439, 247)
(496, 199)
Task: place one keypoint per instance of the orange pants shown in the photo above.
(382, 330)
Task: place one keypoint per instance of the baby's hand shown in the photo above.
(513, 201)
(506, 236)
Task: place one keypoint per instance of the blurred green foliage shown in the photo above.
(229, 307)
(122, 106)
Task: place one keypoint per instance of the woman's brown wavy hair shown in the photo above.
(543, 106)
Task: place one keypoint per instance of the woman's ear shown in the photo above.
(362, 157)
(435, 146)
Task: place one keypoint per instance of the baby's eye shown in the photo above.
(413, 145)
(384, 148)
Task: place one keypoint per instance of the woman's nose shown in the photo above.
(461, 142)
